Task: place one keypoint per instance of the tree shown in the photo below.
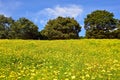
(99, 24)
(61, 28)
(116, 32)
(23, 29)
(5, 23)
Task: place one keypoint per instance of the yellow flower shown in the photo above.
(73, 77)
(87, 75)
(51, 67)
(103, 70)
(2, 76)
(66, 79)
(82, 77)
(115, 61)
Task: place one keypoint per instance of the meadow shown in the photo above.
(60, 59)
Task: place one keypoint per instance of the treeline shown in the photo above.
(100, 24)
(20, 29)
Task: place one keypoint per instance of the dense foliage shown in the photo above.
(100, 24)
(5, 23)
(23, 29)
(62, 28)
(20, 29)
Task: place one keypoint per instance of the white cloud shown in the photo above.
(65, 11)
(44, 15)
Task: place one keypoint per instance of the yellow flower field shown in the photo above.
(60, 59)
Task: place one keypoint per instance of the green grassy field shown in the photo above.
(60, 60)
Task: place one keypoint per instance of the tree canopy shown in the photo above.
(20, 29)
(62, 28)
(99, 24)
(24, 29)
(5, 23)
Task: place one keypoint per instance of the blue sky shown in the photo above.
(40, 11)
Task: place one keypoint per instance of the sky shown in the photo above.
(41, 11)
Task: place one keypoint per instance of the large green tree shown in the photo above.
(23, 29)
(5, 23)
(61, 28)
(99, 24)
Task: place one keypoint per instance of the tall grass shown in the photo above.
(60, 60)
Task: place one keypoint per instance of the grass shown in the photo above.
(60, 60)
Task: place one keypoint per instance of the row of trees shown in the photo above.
(99, 24)
(20, 29)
